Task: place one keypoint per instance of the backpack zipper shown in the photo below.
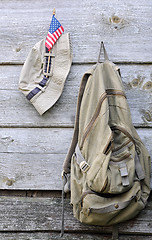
(115, 92)
(103, 210)
(124, 131)
(122, 158)
(116, 206)
(123, 145)
(108, 92)
(98, 194)
(84, 195)
(109, 145)
(96, 114)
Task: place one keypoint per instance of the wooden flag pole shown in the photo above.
(50, 50)
(54, 11)
(48, 63)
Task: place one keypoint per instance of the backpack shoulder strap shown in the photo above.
(102, 47)
(67, 161)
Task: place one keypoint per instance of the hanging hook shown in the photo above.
(104, 50)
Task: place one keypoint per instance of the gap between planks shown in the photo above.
(49, 235)
(39, 193)
(61, 126)
(85, 63)
(32, 193)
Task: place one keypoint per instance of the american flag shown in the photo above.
(54, 33)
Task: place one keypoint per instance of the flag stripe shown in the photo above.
(49, 43)
(62, 29)
(55, 35)
(48, 46)
(52, 37)
(51, 40)
(59, 31)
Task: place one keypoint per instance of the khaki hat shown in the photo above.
(42, 82)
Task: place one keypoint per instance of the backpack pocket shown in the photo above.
(107, 209)
(76, 181)
(113, 172)
(121, 170)
(97, 174)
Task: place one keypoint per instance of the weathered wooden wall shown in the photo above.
(33, 147)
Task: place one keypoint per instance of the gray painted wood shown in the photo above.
(32, 158)
(17, 111)
(124, 26)
(67, 236)
(42, 214)
(31, 171)
(47, 140)
(52, 236)
(35, 140)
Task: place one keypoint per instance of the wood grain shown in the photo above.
(32, 158)
(67, 236)
(16, 110)
(33, 147)
(124, 26)
(42, 214)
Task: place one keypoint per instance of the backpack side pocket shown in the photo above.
(97, 174)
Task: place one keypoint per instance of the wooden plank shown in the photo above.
(42, 214)
(88, 22)
(35, 140)
(53, 236)
(17, 111)
(67, 236)
(32, 158)
(31, 171)
(48, 140)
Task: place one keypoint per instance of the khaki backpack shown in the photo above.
(107, 166)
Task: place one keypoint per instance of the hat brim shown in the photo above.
(48, 98)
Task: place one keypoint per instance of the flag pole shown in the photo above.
(50, 49)
(54, 11)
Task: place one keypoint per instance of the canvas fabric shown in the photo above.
(107, 165)
(34, 70)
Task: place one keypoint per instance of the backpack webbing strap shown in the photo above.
(140, 173)
(67, 161)
(104, 51)
(115, 232)
(79, 155)
(63, 195)
(84, 166)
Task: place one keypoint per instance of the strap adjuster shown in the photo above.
(84, 166)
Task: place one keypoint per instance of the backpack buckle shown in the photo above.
(84, 166)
